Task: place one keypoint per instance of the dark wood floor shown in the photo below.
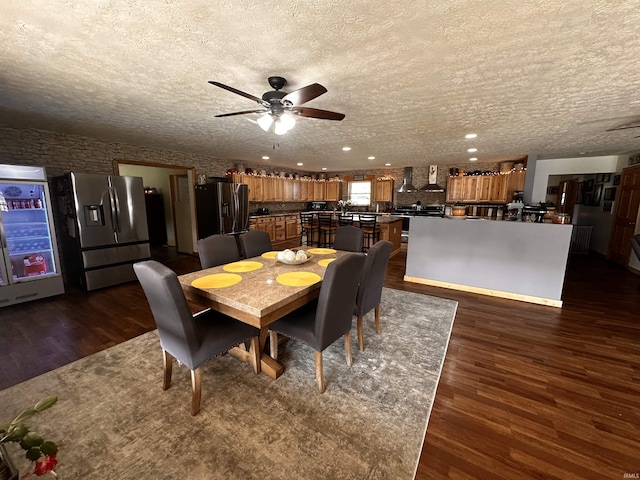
(526, 392)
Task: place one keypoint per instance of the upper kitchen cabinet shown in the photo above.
(484, 188)
(332, 191)
(384, 190)
(318, 191)
(462, 189)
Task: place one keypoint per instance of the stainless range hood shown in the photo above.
(407, 186)
(432, 186)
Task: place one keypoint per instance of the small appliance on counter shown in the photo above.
(514, 211)
(317, 206)
(262, 211)
(534, 213)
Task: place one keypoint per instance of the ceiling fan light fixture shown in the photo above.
(265, 121)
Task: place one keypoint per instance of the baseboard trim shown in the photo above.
(486, 291)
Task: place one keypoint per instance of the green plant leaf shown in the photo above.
(16, 434)
(49, 448)
(4, 427)
(31, 439)
(33, 453)
(46, 403)
(30, 412)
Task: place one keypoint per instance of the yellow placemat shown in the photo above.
(325, 262)
(217, 280)
(269, 255)
(321, 251)
(298, 279)
(242, 266)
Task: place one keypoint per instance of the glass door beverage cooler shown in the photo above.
(29, 264)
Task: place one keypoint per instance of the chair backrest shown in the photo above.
(306, 219)
(334, 313)
(635, 244)
(348, 238)
(367, 222)
(254, 243)
(170, 309)
(372, 278)
(346, 219)
(325, 220)
(217, 250)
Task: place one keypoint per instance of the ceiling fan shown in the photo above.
(279, 108)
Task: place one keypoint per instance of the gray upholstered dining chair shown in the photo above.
(191, 339)
(254, 243)
(370, 288)
(217, 250)
(635, 245)
(348, 238)
(325, 320)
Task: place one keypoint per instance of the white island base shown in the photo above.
(515, 260)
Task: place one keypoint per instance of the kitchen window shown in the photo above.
(360, 193)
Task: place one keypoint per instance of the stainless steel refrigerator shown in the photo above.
(29, 264)
(104, 228)
(222, 207)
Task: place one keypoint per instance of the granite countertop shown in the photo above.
(383, 218)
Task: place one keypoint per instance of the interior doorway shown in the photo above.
(159, 176)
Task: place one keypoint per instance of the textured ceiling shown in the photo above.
(413, 76)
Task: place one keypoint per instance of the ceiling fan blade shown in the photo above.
(241, 113)
(304, 94)
(317, 113)
(240, 92)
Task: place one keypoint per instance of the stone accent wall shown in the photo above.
(60, 153)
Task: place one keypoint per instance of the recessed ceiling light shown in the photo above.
(299, 164)
(371, 158)
(324, 168)
(346, 149)
(387, 164)
(265, 157)
(473, 159)
(471, 150)
(471, 135)
(582, 153)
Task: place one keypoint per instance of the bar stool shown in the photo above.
(308, 228)
(370, 229)
(326, 229)
(345, 219)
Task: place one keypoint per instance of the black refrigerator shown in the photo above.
(104, 228)
(222, 208)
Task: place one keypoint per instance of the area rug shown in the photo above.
(113, 421)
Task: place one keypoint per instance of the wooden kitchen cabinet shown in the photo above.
(393, 233)
(291, 226)
(484, 188)
(280, 229)
(515, 182)
(454, 189)
(288, 190)
(384, 190)
(266, 224)
(318, 191)
(332, 191)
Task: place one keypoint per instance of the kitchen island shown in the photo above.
(285, 226)
(516, 260)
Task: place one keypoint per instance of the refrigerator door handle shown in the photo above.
(236, 209)
(115, 207)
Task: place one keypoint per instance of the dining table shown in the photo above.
(258, 291)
